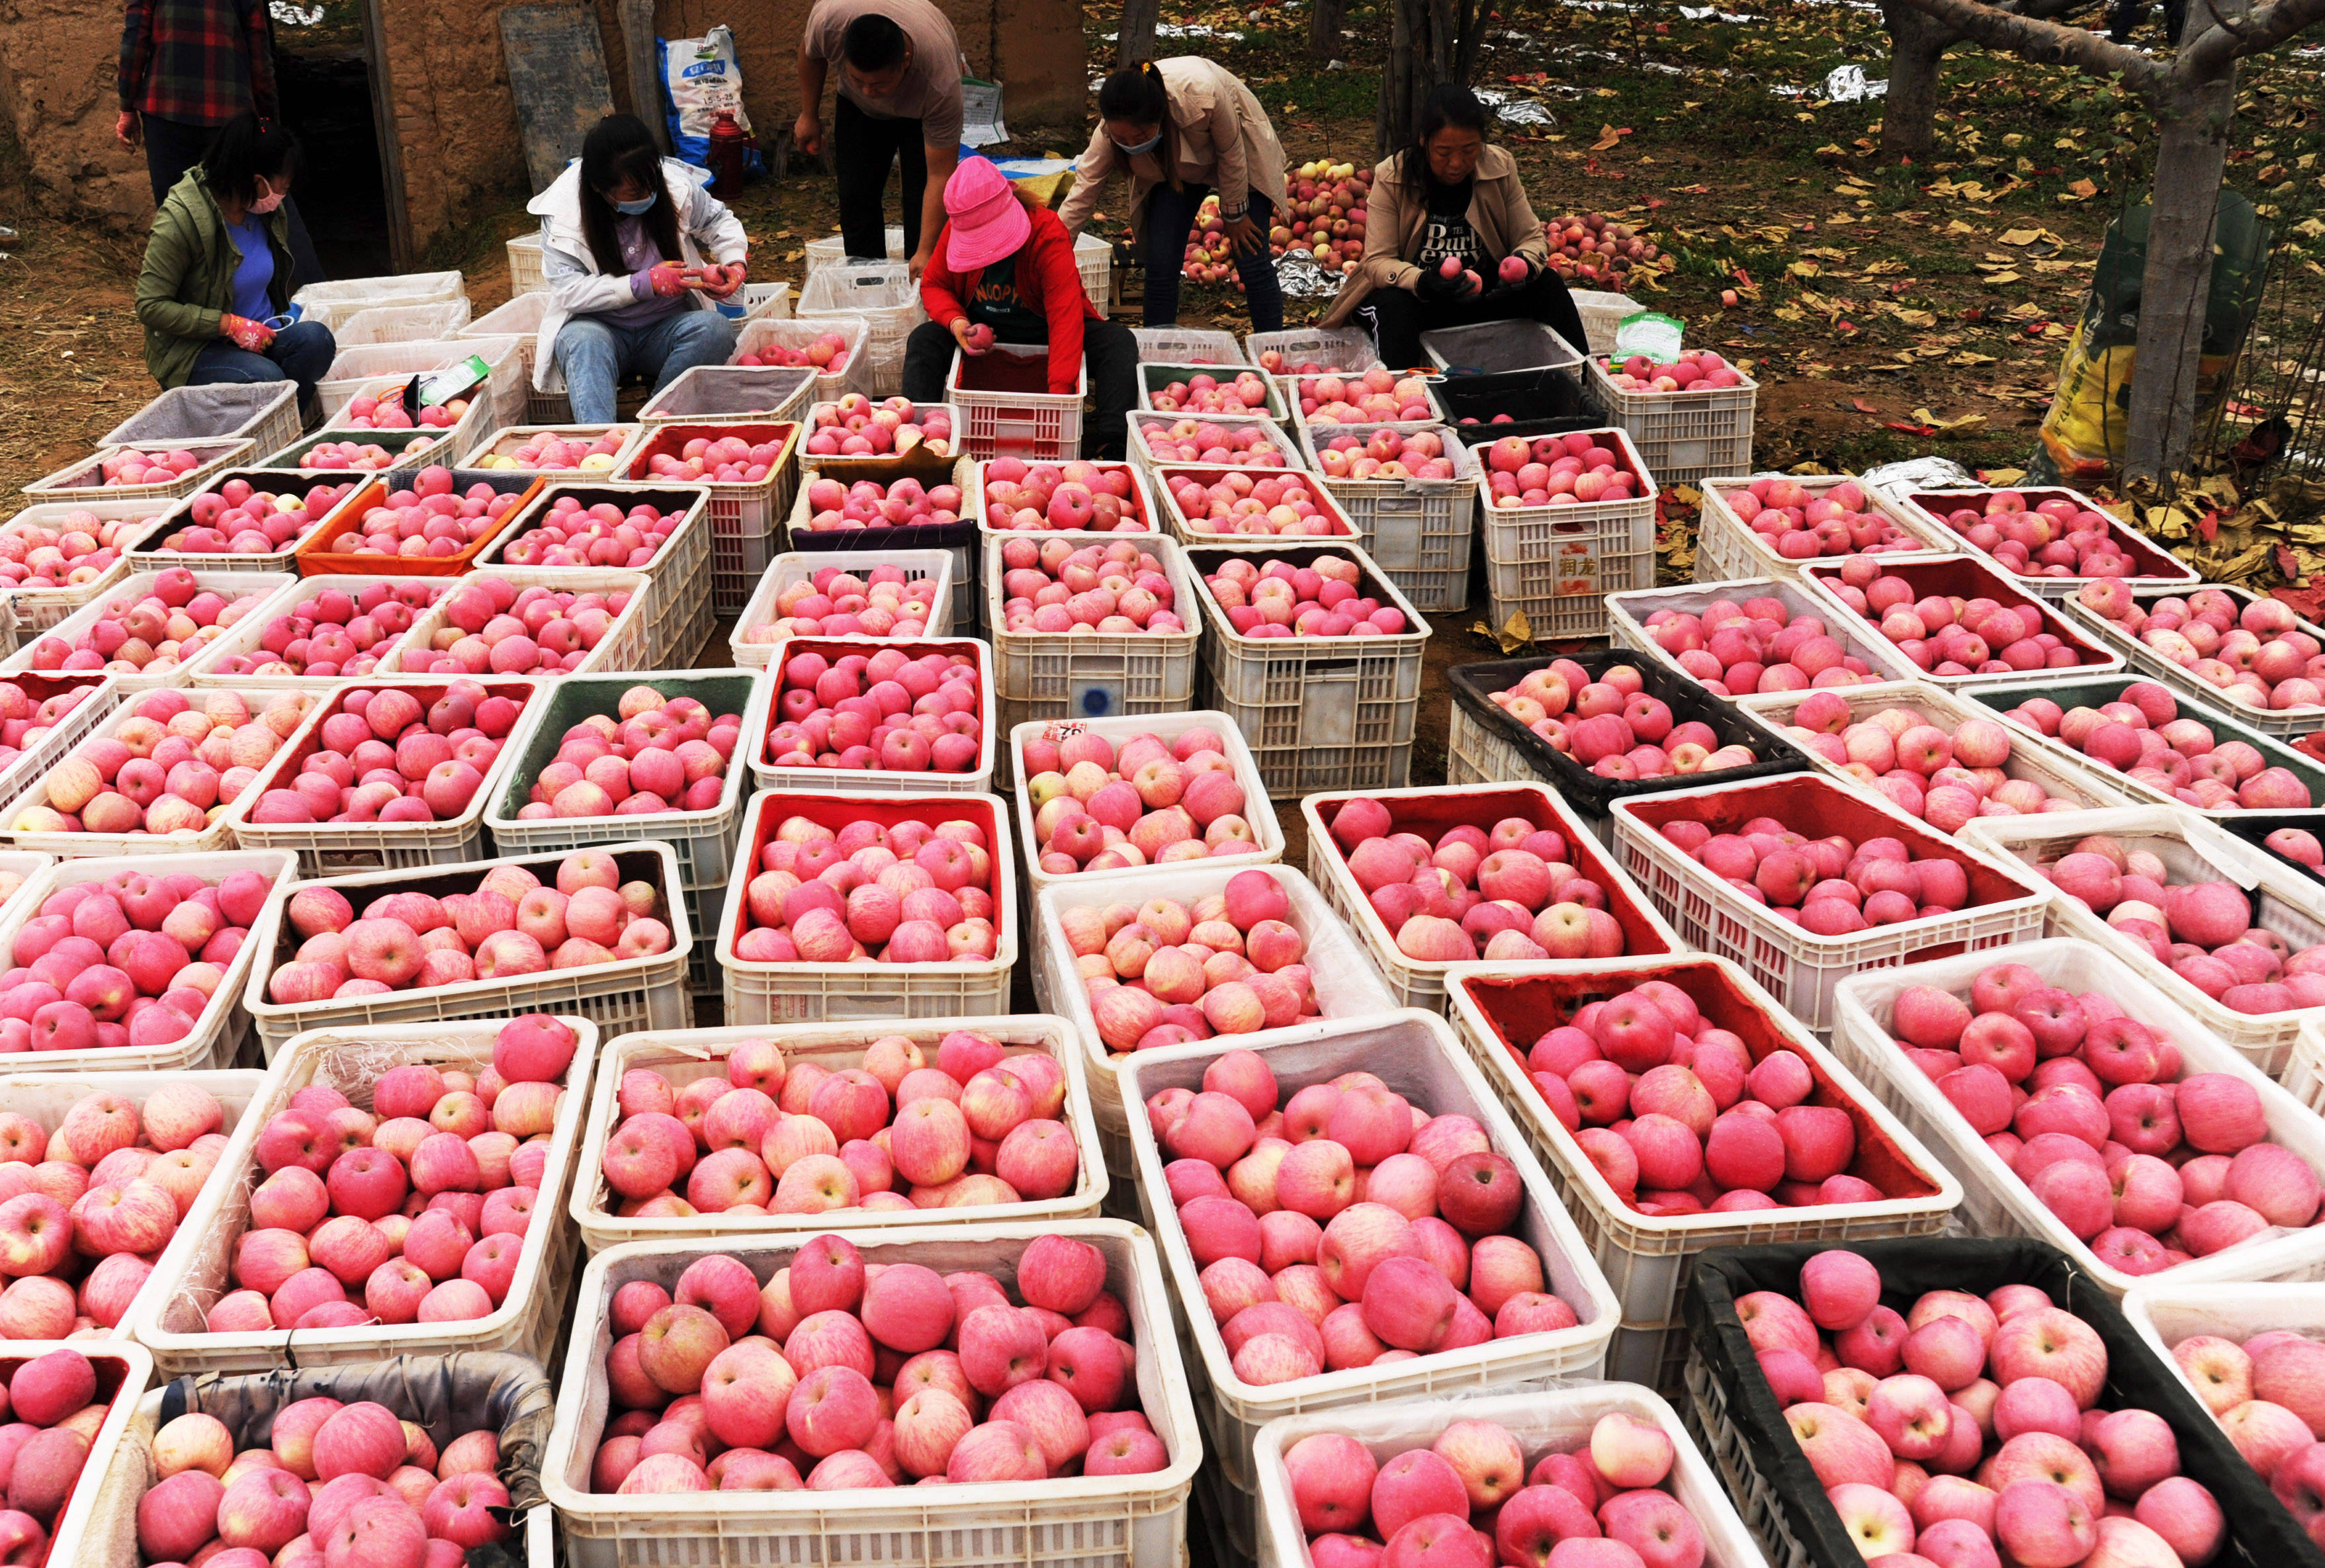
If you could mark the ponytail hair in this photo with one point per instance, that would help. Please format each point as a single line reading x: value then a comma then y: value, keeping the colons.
x: 244, y: 151
x: 1447, y: 104
x: 1138, y: 94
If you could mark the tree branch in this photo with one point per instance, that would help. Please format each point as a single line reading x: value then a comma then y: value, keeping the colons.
x: 2048, y: 43
x: 2257, y: 33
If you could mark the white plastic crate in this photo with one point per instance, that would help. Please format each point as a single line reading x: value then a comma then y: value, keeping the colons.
x: 2156, y: 567
x: 879, y: 781
x: 505, y: 383
x: 640, y: 993
x: 245, y: 636
x: 404, y: 449
x: 677, y: 580
x: 809, y: 462
x: 1432, y: 810
x: 1415, y: 1055
x: 221, y: 1033
x: 2071, y: 778
x: 801, y: 539
x: 1549, y: 1421
x: 267, y: 412
x: 760, y: 331
x: 335, y: 849
x: 1726, y: 548
x: 1142, y: 452
x: 269, y: 586
x: 1436, y: 415
x: 520, y: 318
x: 1966, y: 576
x: 1268, y: 836
x: 1995, y: 1201
x: 2166, y: 1312
x: 18, y: 773
x: 2285, y: 724
x: 84, y: 1528
x: 2305, y: 1076
x: 887, y: 297
x: 1798, y: 967
x: 34, y: 610
x: 351, y: 1060
x: 1137, y: 1521
x: 1187, y: 530
x: 1088, y: 673
x: 2192, y: 849
x: 504, y: 442
x: 1155, y: 375
x: 622, y: 647
x: 801, y: 566
x: 1036, y: 425
x: 402, y: 323
x: 1601, y: 314
x: 758, y: 992
x: 1337, y: 349
x: 831, y: 250
x: 1094, y: 260
x: 1347, y: 984
x: 1421, y: 532
x: 1499, y: 1015
x: 1683, y: 436
x: 1557, y: 565
x: 1627, y: 615
x: 743, y: 515
x: 1188, y: 346
x: 527, y: 274
x: 733, y: 394
x: 771, y: 300
x: 83, y: 478
x: 333, y: 301
x: 684, y: 1056
x: 1319, y: 713
x: 1474, y: 754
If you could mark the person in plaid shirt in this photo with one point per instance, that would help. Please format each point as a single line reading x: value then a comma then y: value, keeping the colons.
x: 187, y: 67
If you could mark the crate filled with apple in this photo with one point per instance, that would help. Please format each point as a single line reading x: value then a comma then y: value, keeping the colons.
x: 1115, y: 794
x: 69, y: 1406
x: 2054, y: 541
x: 2267, y: 662
x: 1763, y: 635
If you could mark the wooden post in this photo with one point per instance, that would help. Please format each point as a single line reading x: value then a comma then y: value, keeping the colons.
x: 641, y: 51
x: 391, y: 137
x: 1134, y: 40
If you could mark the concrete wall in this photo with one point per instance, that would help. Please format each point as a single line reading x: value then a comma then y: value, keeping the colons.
x: 455, y: 120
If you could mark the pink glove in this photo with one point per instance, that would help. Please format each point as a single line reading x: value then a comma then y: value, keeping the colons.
x: 245, y: 333
x: 668, y: 279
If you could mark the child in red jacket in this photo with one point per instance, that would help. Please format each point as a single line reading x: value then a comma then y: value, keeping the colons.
x: 1004, y: 272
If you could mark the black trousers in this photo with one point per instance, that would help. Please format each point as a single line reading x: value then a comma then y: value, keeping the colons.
x: 864, y: 148
x: 1399, y: 315
x: 1109, y: 358
x: 174, y: 146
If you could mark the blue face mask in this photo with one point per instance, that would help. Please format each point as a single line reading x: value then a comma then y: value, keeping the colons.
x: 1147, y: 145
x: 634, y: 209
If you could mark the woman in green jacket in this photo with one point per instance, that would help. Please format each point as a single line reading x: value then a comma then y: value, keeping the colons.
x: 217, y: 270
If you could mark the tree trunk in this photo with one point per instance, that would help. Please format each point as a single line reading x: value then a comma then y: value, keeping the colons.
x: 1431, y: 42
x: 1917, y: 52
x: 1134, y: 41
x: 2176, y: 286
x: 1324, y: 20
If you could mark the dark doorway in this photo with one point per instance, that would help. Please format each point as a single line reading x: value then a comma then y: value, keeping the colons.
x: 325, y: 84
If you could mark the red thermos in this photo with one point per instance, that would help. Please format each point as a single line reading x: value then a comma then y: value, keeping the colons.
x: 727, y: 146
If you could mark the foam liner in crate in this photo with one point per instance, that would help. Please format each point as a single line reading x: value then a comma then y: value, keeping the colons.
x: 1433, y: 811
x: 1346, y: 983
x: 1319, y: 713
x: 215, y: 833
x: 814, y: 419
x: 2152, y: 564
x: 1188, y: 426
x: 1341, y: 349
x: 1189, y: 346
x: 1601, y: 314
x: 84, y: 477
x: 265, y: 412
x: 448, y: 1396
x: 350, y: 1059
x: 686, y: 1056
x: 639, y: 993
x: 678, y: 577
x: 1557, y: 565
x: 1421, y: 532
x: 885, y: 296
x: 1496, y: 734
x: 339, y: 298
x: 2192, y: 849
x: 1732, y: 1411
x: 2285, y: 723
x: 148, y: 550
x: 624, y: 645
x: 314, y: 556
x: 1995, y: 1201
x: 1006, y: 407
x: 246, y: 639
x: 802, y: 566
x: 504, y: 441
x: 1499, y: 1015
x: 1965, y: 577
x: 41, y: 752
x: 1265, y: 848
x: 755, y: 744
x: 1338, y: 521
x: 1683, y: 436
x: 734, y: 394
x: 1800, y: 968
x: 2069, y: 776
x: 764, y: 331
x: 762, y: 992
x: 1558, y: 1421
x: 327, y: 849
x: 221, y: 1030
x: 1414, y: 1053
x: 1136, y: 1521
x: 744, y: 517
x: 124, y: 1372
x: 1089, y: 674
x: 1497, y: 347
x: 1627, y: 615
x: 34, y: 610
x: 2075, y: 689
x: 1727, y: 548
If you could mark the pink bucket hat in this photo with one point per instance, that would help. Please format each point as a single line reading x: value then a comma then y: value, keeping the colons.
x: 987, y: 220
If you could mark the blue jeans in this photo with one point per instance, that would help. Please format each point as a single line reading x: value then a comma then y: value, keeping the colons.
x: 594, y: 355
x: 301, y: 352
x: 1169, y: 219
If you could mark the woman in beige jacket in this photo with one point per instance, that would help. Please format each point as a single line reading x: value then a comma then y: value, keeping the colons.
x: 1451, y: 195
x: 1178, y: 129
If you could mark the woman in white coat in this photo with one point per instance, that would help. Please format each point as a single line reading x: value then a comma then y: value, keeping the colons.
x: 634, y: 252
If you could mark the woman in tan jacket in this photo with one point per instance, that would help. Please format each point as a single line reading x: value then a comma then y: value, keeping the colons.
x: 1451, y: 195
x: 1178, y: 129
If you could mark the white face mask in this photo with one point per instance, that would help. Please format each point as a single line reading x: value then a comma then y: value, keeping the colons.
x: 268, y: 202
x: 1147, y: 145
